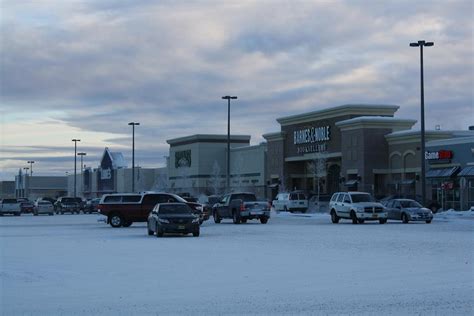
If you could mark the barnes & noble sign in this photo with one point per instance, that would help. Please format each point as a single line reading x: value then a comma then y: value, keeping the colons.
x: 311, y: 139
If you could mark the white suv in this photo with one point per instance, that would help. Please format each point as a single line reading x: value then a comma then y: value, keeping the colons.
x: 357, y: 206
x: 290, y: 202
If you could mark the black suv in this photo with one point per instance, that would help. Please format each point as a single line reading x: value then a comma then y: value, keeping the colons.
x: 68, y: 205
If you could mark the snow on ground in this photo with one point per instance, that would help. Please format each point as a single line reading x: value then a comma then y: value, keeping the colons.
x: 296, y: 264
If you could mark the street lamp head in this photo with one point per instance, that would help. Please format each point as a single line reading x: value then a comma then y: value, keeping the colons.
x: 421, y: 43
x: 414, y: 44
x: 228, y: 97
x: 76, y: 140
x: 429, y: 43
x: 133, y: 123
x: 82, y: 154
x: 31, y: 161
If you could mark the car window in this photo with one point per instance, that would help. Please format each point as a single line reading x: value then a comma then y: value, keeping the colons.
x: 153, y: 199
x: 169, y: 209
x: 301, y: 196
x: 9, y: 201
x: 389, y: 204
x: 293, y: 196
x: 347, y: 198
x: 410, y: 204
x: 340, y: 197
x: 44, y: 203
x: 360, y: 197
x: 244, y: 197
x: 334, y: 197
x: 131, y: 198
x: 113, y: 199
x: 224, y: 199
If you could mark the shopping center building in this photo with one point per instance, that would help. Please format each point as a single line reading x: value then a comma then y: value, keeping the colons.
x: 349, y: 147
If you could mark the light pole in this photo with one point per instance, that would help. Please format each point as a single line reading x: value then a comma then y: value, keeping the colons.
x: 133, y: 124
x: 228, y: 98
x: 75, y: 163
x: 82, y: 175
x: 26, y: 187
x: 423, y: 168
x: 31, y: 162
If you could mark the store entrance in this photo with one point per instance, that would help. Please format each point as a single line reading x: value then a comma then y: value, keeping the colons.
x: 333, y: 175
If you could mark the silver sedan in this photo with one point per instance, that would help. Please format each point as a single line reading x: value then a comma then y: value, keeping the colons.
x: 408, y: 210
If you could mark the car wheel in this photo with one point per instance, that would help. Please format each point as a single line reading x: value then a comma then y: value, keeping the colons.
x: 243, y: 220
x: 235, y: 217
x: 304, y: 211
x: 354, y: 217
x: 150, y: 232
x: 428, y: 221
x: 361, y: 221
x: 263, y: 220
x: 159, y: 233
x: 334, y: 217
x: 116, y: 220
x: 285, y: 208
x: 382, y: 221
x: 404, y: 218
x: 127, y: 223
x: 196, y: 233
x: 51, y: 214
x: 217, y: 218
x: 35, y: 213
x: 17, y: 214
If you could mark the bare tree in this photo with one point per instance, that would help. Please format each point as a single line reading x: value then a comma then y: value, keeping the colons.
x: 216, y: 178
x: 318, y: 168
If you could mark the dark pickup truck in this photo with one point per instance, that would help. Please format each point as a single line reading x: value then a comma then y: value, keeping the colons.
x: 121, y: 210
x: 241, y: 207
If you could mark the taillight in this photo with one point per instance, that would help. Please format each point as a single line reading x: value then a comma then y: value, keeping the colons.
x: 242, y: 207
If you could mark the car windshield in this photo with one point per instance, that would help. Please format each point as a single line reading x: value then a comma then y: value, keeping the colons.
x: 69, y: 200
x: 244, y: 197
x: 406, y: 204
x: 357, y: 198
x: 44, y: 203
x: 172, y: 209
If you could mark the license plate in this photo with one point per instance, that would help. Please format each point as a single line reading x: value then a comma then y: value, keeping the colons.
x: 181, y: 227
x: 374, y: 215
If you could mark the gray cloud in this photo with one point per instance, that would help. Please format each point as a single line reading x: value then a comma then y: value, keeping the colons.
x: 166, y: 64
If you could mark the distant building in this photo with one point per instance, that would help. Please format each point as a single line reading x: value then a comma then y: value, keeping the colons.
x: 7, y: 189
x: 33, y: 187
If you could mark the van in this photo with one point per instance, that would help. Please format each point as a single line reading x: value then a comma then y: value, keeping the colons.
x: 291, y: 202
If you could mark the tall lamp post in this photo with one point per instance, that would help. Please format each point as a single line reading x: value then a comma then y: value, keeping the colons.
x: 133, y: 124
x: 228, y: 98
x: 421, y: 44
x: 82, y: 175
x: 75, y: 163
x: 25, y: 185
x: 31, y: 162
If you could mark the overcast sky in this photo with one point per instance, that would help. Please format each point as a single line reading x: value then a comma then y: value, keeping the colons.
x: 84, y: 69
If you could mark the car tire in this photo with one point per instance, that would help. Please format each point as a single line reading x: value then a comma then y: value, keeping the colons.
x: 428, y: 221
x: 116, y: 220
x: 405, y: 218
x: 17, y: 214
x: 382, y: 221
x: 51, y: 214
x: 361, y: 221
x: 127, y: 223
x: 263, y: 220
x: 159, y: 233
x: 196, y: 233
x: 150, y: 232
x: 35, y: 214
x: 243, y: 220
x: 217, y: 218
x: 334, y: 218
x: 235, y: 217
x: 304, y: 211
x: 354, y: 218
x: 285, y: 208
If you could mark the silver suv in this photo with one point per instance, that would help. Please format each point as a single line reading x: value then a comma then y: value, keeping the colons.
x: 357, y: 206
x: 290, y: 202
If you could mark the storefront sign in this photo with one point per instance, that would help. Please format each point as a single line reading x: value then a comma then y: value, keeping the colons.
x: 438, y: 156
x: 182, y: 159
x: 106, y: 174
x: 311, y: 138
x: 311, y: 135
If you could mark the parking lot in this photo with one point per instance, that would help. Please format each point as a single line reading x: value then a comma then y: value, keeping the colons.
x: 295, y: 264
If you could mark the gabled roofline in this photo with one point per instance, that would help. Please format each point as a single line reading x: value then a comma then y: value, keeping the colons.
x: 346, y: 109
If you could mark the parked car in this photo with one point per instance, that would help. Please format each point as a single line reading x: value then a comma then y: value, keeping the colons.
x: 10, y: 206
x: 43, y: 207
x: 291, y: 202
x: 91, y: 206
x: 357, y: 206
x: 406, y: 210
x: 27, y: 206
x: 241, y: 207
x: 68, y: 205
x: 121, y: 210
x: 172, y: 218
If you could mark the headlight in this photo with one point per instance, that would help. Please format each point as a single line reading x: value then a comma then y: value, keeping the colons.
x: 360, y: 208
x: 196, y: 220
x: 199, y: 208
x: 164, y: 221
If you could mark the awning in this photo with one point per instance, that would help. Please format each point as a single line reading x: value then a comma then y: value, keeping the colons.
x: 467, y: 172
x: 351, y: 183
x: 443, y: 172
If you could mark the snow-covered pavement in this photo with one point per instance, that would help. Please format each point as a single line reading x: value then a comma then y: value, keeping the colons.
x: 73, y: 265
